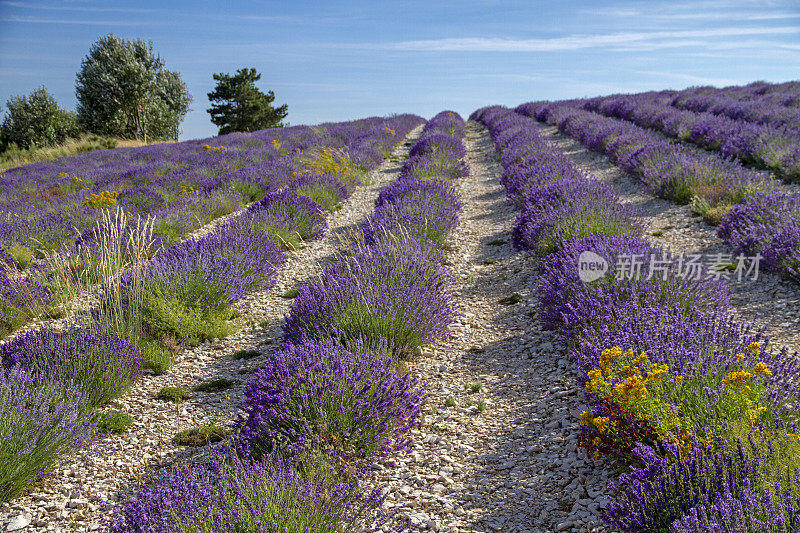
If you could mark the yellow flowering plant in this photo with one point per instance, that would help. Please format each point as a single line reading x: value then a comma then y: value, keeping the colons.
x: 220, y: 149
x: 105, y: 199
x: 329, y: 161
x: 676, y: 409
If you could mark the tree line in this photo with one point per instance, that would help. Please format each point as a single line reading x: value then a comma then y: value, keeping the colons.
x: 124, y: 90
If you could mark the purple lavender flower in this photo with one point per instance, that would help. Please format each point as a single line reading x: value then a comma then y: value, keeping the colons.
x: 572, y: 306
x: 424, y: 210
x: 768, y: 224
x: 286, y: 215
x: 39, y: 420
x: 396, y: 291
x: 348, y: 404
x: 102, y: 363
x: 558, y: 213
x: 229, y: 493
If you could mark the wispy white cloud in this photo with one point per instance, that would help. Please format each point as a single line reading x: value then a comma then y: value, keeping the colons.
x: 73, y: 7
x: 84, y: 22
x: 684, y: 13
x: 665, y: 75
x: 657, y: 39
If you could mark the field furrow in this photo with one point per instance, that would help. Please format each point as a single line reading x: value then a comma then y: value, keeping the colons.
x: 498, y: 450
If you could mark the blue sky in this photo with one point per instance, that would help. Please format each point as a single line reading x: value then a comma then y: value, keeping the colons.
x: 346, y: 59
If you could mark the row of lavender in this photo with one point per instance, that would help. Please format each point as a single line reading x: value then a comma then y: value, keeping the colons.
x: 763, y: 146
x: 52, y: 381
x: 333, y: 399
x: 754, y: 216
x: 182, y: 185
x: 696, y: 403
x: 786, y: 93
x: 176, y: 187
x: 760, y: 103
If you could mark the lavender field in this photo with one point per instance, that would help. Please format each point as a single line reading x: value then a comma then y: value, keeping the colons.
x: 577, y: 315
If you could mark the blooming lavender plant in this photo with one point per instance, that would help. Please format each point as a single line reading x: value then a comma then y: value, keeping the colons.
x: 230, y: 493
x: 424, y: 210
x: 39, y: 420
x: 102, y: 363
x: 188, y: 289
x: 289, y: 217
x: 395, y: 291
x: 556, y: 214
x: 767, y: 224
x: 571, y: 306
x: 346, y: 403
x: 679, y: 495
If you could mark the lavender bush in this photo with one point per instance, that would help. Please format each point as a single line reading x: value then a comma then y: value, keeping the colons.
x: 423, y: 210
x: 188, y: 289
x: 705, y: 491
x: 39, y: 420
x: 103, y: 364
x: 767, y: 224
x: 345, y: 403
x: 394, y: 291
x: 287, y: 216
x: 230, y: 493
x: 558, y: 213
x: 570, y: 305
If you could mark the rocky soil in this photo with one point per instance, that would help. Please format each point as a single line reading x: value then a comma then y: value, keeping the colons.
x: 498, y: 450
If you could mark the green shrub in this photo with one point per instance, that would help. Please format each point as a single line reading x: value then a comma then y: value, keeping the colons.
x: 172, y: 394
x: 474, y: 387
x: 327, y: 197
x: 215, y: 385
x: 113, y: 422
x: 164, y: 316
x: 155, y: 356
x: 22, y: 255
x: 291, y: 293
x: 36, y: 120
x: 200, y: 435
x: 512, y: 299
x: 246, y: 354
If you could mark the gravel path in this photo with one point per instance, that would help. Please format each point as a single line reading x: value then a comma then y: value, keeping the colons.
x: 515, y: 465
x: 770, y: 301
x: 70, y: 499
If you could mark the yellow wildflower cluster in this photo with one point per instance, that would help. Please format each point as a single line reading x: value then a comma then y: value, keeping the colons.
x: 737, y: 379
x: 327, y: 161
x: 103, y: 199
x: 276, y: 144
x: 220, y: 149
x: 633, y: 387
x: 389, y: 130
x: 634, y: 383
x: 186, y: 189
x: 762, y: 369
